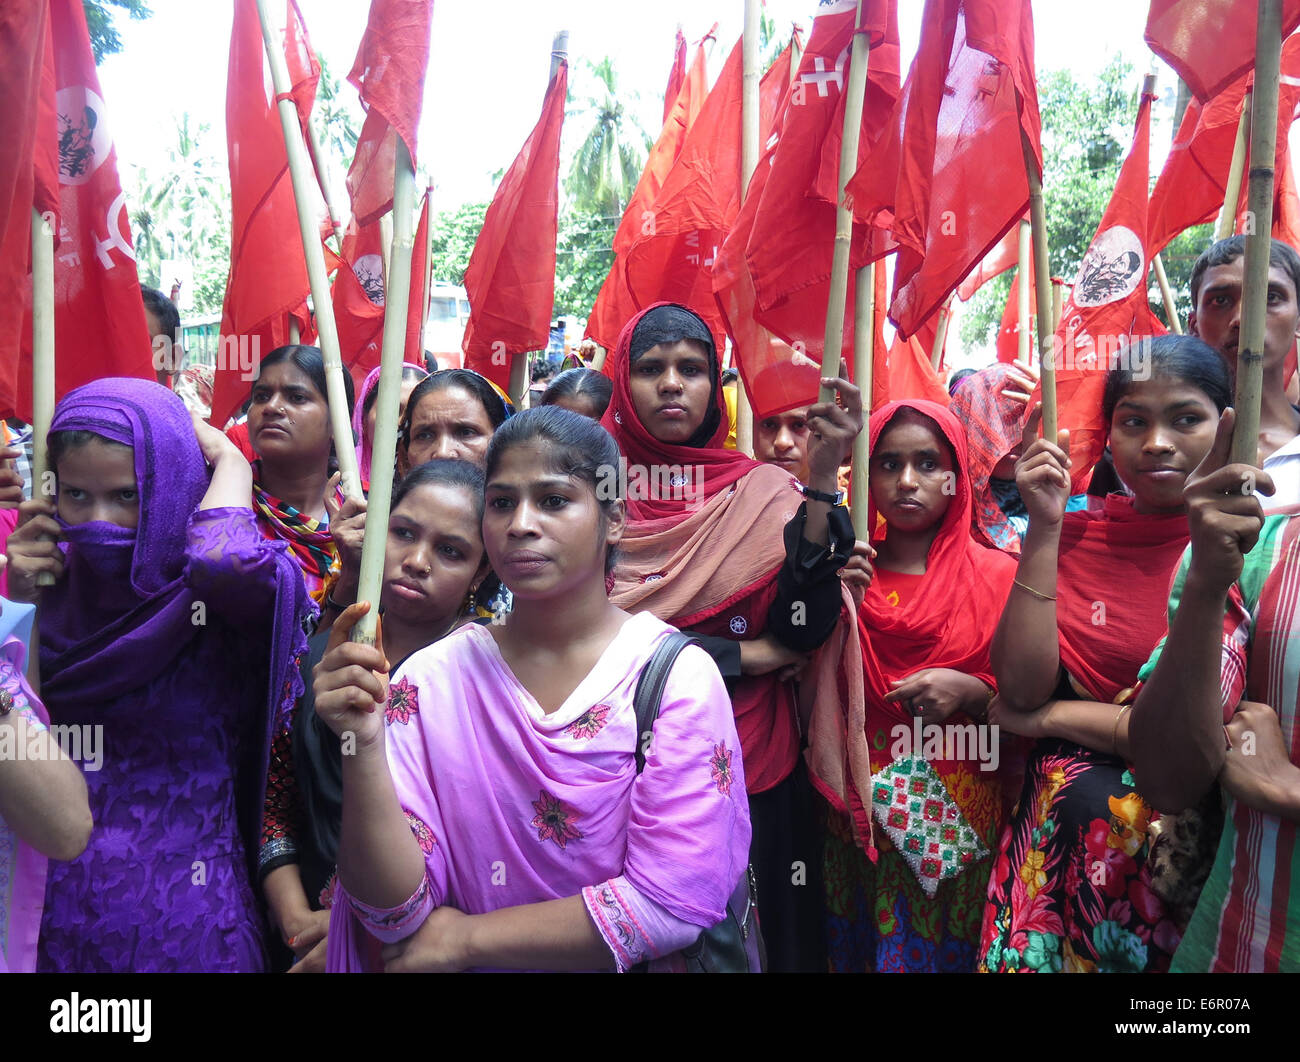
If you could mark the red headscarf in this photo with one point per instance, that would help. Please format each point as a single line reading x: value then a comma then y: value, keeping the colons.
x: 947, y: 623
x: 720, y: 467
x: 1113, y: 580
x: 709, y: 562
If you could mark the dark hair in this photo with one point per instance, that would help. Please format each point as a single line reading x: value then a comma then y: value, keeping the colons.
x: 1185, y: 358
x: 667, y: 325
x: 578, y: 447
x: 465, y: 379
x: 409, y: 372
x: 442, y: 472
x: 1223, y: 252
x: 158, y: 304
x: 312, y: 364
x: 62, y: 443
x: 587, y: 384
x: 957, y: 378
x: 730, y: 376
x: 908, y: 415
x: 541, y: 369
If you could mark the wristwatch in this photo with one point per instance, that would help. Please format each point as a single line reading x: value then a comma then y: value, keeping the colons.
x: 822, y: 496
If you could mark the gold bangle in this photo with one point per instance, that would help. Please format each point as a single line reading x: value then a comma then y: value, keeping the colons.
x: 1031, y: 590
x: 1114, y: 733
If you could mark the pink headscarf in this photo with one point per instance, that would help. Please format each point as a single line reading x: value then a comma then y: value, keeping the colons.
x: 364, y: 445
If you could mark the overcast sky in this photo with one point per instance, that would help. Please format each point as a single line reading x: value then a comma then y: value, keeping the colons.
x: 490, y: 61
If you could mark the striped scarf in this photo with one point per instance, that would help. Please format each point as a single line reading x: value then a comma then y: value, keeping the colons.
x: 309, y: 539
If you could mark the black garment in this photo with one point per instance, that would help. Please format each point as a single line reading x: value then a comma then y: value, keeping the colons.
x: 786, y: 854
x: 810, y: 577
x: 318, y: 771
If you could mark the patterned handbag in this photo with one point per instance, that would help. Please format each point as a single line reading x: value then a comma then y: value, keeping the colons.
x: 734, y: 945
x: 912, y: 805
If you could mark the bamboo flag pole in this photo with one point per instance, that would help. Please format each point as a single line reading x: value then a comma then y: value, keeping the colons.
x: 855, y: 90
x: 941, y: 332
x: 749, y: 130
x: 1042, y: 291
x: 42, y: 362
x: 1058, y: 302
x: 1023, y: 342
x: 864, y: 353
x: 1232, y: 190
x: 1167, y: 296
x: 519, y: 366
x: 300, y: 171
x: 397, y: 295
x: 1259, y: 227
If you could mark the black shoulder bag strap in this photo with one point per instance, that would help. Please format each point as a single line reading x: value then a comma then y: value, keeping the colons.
x: 650, y: 689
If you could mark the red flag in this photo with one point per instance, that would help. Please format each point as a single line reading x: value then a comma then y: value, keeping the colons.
x: 1192, y: 185
x: 911, y: 375
x: 946, y: 177
x: 1210, y: 43
x: 1286, y: 204
x: 99, y: 326
x: 389, y: 72
x: 268, y: 270
x: 414, y: 351
x: 23, y: 39
x: 677, y: 75
x: 996, y: 262
x: 1108, y: 305
x: 301, y: 61
x: 45, y: 162
x: 772, y: 277
x: 1008, y: 341
x: 510, y: 279
x: 358, y: 296
x: 614, y: 305
x: 671, y: 259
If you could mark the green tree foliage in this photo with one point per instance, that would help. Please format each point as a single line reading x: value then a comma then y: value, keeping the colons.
x: 613, y: 145
x: 99, y: 20
x: 337, y: 117
x: 454, y: 233
x: 584, y: 252
x: 583, y: 256
x: 182, y: 210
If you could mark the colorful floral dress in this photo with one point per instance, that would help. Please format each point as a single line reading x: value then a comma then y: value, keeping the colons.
x: 879, y: 918
x: 1071, y: 888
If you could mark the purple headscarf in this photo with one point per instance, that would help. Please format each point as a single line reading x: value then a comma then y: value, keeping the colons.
x: 121, y: 613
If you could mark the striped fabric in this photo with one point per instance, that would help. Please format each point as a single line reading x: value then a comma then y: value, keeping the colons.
x: 1248, y: 916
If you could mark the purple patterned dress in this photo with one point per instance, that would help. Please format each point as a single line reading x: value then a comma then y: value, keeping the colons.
x: 164, y: 882
x: 175, y: 644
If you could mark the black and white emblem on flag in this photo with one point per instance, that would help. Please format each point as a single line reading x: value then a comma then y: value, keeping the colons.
x: 1112, y: 268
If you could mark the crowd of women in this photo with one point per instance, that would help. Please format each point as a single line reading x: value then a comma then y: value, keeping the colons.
x: 974, y: 742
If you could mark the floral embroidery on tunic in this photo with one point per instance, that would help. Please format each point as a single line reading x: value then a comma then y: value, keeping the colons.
x: 423, y: 835
x: 589, y: 723
x: 403, y: 702
x: 555, y: 820
x: 720, y: 766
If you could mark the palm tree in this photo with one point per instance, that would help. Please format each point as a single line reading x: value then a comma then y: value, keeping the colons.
x: 183, y: 209
x: 337, y: 116
x: 614, y: 144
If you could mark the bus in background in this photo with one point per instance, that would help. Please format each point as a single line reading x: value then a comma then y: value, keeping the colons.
x: 444, y: 329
